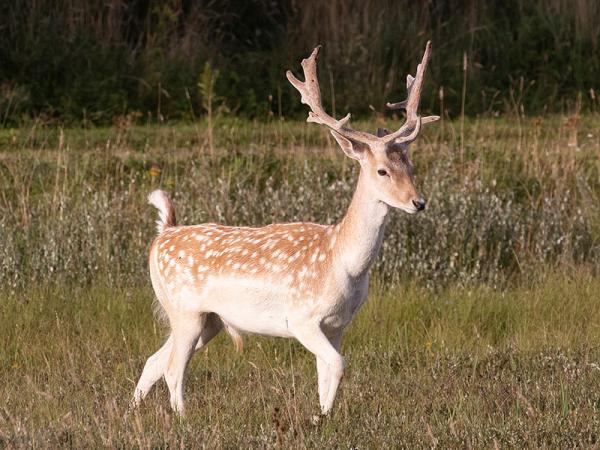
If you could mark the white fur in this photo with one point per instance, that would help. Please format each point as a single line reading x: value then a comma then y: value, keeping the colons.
x: 160, y: 201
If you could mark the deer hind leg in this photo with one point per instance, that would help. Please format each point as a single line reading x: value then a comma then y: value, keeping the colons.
x: 317, y: 342
x: 211, y: 327
x: 157, y: 364
x: 153, y: 371
x: 186, y: 331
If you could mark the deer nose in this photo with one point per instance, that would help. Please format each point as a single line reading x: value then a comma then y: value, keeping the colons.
x: 419, y: 204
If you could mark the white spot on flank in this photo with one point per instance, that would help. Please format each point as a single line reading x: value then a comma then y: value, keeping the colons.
x: 322, y: 257
x: 313, y: 258
x: 332, y: 242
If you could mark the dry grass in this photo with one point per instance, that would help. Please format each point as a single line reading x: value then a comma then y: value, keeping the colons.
x: 481, y: 330
x: 75, y: 201
x: 457, y: 368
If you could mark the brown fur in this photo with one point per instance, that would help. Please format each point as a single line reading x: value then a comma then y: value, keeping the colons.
x: 300, y: 251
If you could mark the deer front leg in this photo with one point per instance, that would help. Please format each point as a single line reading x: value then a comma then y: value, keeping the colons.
x: 323, y: 371
x: 332, y: 363
x: 323, y: 376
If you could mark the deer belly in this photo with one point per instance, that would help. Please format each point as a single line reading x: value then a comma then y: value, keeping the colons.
x: 251, y: 306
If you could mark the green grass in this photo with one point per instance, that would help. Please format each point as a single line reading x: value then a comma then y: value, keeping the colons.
x: 515, y: 197
x: 463, y: 366
x: 481, y: 330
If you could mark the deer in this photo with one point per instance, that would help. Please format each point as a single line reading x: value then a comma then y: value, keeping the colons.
x: 295, y: 280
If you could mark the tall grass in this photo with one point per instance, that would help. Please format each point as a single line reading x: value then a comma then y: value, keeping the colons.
x: 74, y: 203
x: 481, y: 329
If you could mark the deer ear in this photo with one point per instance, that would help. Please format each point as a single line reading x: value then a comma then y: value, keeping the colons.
x: 351, y: 149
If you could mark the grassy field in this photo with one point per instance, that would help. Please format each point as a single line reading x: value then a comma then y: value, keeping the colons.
x: 460, y: 367
x: 481, y: 330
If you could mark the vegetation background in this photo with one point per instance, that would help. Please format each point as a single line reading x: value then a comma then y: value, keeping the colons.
x: 483, y: 323
x: 81, y: 60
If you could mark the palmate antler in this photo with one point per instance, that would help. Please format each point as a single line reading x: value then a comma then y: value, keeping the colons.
x: 311, y: 96
x: 408, y: 132
x: 411, y: 104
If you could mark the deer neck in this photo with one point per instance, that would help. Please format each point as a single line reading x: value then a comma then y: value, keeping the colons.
x: 361, y: 231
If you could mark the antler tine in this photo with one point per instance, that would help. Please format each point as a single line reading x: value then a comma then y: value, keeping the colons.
x: 311, y: 96
x: 411, y: 104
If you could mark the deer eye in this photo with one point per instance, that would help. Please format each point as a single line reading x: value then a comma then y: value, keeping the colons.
x: 382, y: 172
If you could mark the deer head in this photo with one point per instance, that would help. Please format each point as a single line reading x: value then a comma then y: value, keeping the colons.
x: 385, y: 164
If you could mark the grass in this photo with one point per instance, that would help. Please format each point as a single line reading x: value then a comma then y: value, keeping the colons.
x: 481, y: 329
x: 461, y: 367
x: 75, y: 199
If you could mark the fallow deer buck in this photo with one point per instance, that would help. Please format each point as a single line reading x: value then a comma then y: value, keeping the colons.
x: 300, y: 280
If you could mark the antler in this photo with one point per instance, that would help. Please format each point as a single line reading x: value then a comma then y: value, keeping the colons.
x: 411, y: 104
x: 311, y: 96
